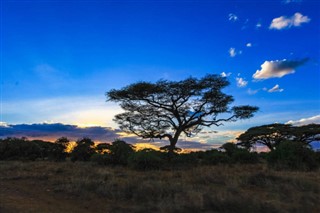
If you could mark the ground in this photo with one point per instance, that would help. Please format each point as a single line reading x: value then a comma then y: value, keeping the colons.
x: 32, y: 187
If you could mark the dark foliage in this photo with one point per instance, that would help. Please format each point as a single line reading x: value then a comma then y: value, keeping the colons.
x: 119, y: 152
x: 23, y: 149
x: 273, y: 134
x: 292, y: 155
x: 146, y: 159
x: 83, y: 150
x: 167, y: 109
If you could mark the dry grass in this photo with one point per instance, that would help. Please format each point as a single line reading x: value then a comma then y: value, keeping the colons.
x: 85, y: 187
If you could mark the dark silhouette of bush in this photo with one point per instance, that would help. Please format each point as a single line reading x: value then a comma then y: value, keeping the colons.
x: 119, y: 152
x: 292, y: 155
x: 63, y: 141
x: 101, y: 158
x: 240, y: 155
x: 214, y: 157
x: 245, y: 157
x: 57, y: 152
x: 19, y: 149
x: 83, y: 150
x: 184, y: 159
x: 146, y: 159
x: 229, y: 148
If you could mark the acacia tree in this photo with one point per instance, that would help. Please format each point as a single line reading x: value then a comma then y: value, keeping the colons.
x: 167, y: 109
x: 272, y: 135
x: 269, y: 135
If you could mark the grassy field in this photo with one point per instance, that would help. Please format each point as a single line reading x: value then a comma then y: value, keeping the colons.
x: 85, y: 187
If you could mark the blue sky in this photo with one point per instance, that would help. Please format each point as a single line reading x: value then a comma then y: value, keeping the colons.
x: 58, y: 58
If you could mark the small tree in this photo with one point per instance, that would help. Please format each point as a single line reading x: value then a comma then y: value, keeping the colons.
x: 119, y: 152
x: 63, y: 141
x: 83, y: 150
x: 167, y: 109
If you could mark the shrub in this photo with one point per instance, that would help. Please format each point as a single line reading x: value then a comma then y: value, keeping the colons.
x: 245, y: 157
x: 214, y: 157
x: 19, y: 149
x: 83, y: 150
x: 56, y: 152
x: 101, y: 159
x: 292, y: 155
x: 120, y: 152
x: 146, y: 159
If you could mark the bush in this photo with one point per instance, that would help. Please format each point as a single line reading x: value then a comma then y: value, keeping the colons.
x: 214, y: 157
x: 120, y: 152
x: 185, y: 159
x: 56, y: 152
x: 146, y: 159
x: 83, y: 150
x: 101, y: 159
x: 292, y: 155
x: 245, y: 157
x: 19, y: 149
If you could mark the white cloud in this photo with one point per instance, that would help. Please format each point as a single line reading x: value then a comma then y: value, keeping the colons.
x: 233, y: 52
x: 223, y: 74
x: 276, y: 88
x: 284, y: 22
x: 249, y: 45
x: 241, y: 82
x: 252, y: 92
x: 233, y: 17
x: 258, y: 25
x: 3, y: 124
x: 304, y: 121
x: 277, y: 68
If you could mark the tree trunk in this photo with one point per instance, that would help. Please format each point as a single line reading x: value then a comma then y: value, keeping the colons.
x: 172, y: 147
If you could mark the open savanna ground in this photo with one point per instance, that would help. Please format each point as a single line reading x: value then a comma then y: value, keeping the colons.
x: 87, y: 187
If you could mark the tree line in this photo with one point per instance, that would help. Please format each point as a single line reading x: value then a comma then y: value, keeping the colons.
x: 169, y: 109
x: 289, y: 152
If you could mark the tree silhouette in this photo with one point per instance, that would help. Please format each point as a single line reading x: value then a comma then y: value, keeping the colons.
x: 307, y: 133
x: 272, y: 135
x: 166, y: 109
x: 83, y: 150
x: 269, y: 135
x: 63, y: 141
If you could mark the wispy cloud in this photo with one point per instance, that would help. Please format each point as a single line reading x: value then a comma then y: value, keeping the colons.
x: 233, y: 17
x: 241, y: 82
x: 291, y: 1
x: 304, y: 121
x: 276, y: 88
x: 249, y: 45
x: 258, y: 25
x: 233, y: 52
x: 278, y: 68
x: 284, y: 22
x: 252, y: 92
x: 223, y: 74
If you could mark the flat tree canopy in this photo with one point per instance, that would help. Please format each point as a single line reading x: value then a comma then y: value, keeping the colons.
x: 166, y: 109
x: 272, y: 135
